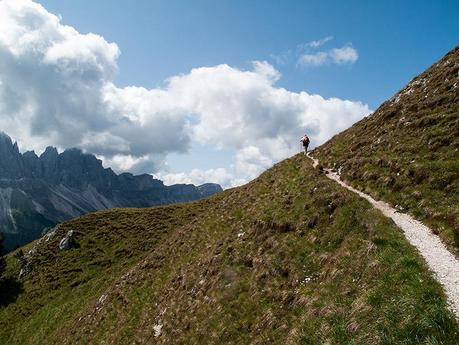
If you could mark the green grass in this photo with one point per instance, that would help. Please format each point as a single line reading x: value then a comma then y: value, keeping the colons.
x: 407, y: 153
x: 291, y: 258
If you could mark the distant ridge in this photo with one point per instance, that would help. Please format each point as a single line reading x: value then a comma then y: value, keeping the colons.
x: 37, y: 192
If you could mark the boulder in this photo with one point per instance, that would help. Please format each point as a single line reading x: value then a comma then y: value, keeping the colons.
x: 67, y: 242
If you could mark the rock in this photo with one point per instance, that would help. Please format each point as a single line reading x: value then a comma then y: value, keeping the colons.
x: 25, y: 263
x: 158, y: 328
x: 25, y: 270
x: 49, y: 236
x: 67, y: 242
x: 399, y: 208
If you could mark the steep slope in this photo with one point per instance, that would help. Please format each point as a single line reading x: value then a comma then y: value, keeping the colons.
x: 36, y: 193
x: 290, y: 258
x: 442, y: 263
x: 407, y: 151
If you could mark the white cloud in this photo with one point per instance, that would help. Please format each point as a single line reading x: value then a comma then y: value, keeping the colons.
x: 251, y: 162
x: 57, y: 87
x: 318, y: 43
x: 338, y: 56
x: 316, y: 59
x: 198, y: 177
x: 123, y: 162
x: 284, y: 57
x: 344, y: 55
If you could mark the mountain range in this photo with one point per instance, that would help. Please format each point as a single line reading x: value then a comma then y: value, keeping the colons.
x: 38, y: 192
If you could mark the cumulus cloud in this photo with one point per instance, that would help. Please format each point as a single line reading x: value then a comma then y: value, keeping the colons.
x: 251, y: 162
x: 198, y: 177
x: 339, y: 56
x: 57, y: 87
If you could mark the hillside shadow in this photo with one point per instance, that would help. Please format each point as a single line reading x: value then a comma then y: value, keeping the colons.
x: 10, y: 289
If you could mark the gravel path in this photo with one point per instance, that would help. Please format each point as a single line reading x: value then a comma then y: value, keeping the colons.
x: 443, y: 264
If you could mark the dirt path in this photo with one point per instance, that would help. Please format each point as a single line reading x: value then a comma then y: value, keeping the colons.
x: 442, y: 263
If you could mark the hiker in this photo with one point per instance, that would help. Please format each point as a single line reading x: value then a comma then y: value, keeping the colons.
x: 305, y: 141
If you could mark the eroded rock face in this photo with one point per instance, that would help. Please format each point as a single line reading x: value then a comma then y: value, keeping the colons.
x: 26, y: 259
x: 38, y: 192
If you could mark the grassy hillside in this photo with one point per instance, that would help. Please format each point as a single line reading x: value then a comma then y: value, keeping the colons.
x: 291, y: 258
x: 407, y: 152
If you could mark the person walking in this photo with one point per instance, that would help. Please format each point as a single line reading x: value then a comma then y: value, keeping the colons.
x: 305, y: 141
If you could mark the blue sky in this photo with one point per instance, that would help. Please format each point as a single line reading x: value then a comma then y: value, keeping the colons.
x: 393, y: 41
x: 396, y: 40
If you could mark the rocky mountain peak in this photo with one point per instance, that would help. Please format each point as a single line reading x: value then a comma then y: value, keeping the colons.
x: 4, y: 136
x: 49, y: 153
x: 6, y: 143
x: 30, y: 154
x: 48, y: 189
x: 10, y: 158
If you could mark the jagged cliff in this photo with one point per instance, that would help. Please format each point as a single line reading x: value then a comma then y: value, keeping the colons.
x: 37, y: 192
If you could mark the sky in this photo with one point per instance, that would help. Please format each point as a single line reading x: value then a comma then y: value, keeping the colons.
x: 206, y: 91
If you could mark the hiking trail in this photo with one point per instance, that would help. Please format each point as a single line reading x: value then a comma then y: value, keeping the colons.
x: 440, y: 260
